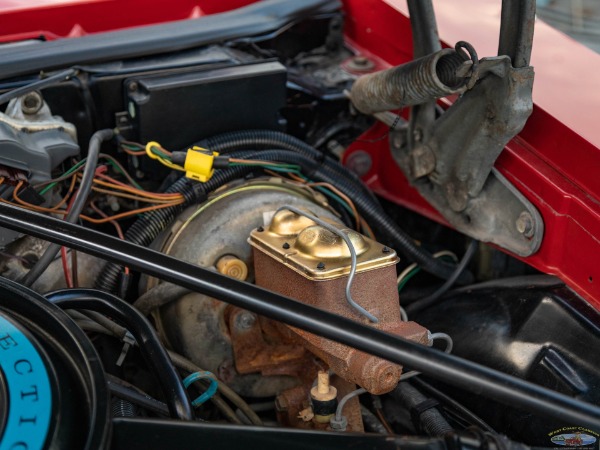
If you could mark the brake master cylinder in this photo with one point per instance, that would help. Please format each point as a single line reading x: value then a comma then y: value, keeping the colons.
x: 305, y: 261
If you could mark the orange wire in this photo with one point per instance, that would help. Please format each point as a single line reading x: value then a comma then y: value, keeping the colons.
x: 116, y: 163
x: 128, y: 213
x: 29, y: 205
x: 131, y: 190
x: 87, y: 218
x: 363, y: 223
x: 68, y: 194
x: 34, y: 208
x: 132, y: 197
x: 133, y: 152
x: 343, y: 196
x: 293, y: 176
x: 84, y: 217
x: 112, y: 180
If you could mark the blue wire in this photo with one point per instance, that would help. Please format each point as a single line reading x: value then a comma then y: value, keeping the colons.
x: 212, y: 388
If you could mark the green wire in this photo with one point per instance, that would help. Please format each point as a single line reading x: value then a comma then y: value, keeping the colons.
x: 68, y: 172
x: 296, y: 169
x: 334, y: 196
x: 410, y: 274
x: 115, y: 166
x: 416, y: 270
x: 133, y: 147
x: 111, y: 161
x: 156, y: 151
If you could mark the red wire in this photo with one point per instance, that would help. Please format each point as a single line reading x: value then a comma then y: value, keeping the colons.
x: 65, y: 266
x: 63, y: 251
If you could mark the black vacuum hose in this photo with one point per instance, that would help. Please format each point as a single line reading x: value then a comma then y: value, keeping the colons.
x: 427, y: 417
x: 371, y: 211
x: 151, y: 224
x: 270, y: 139
x: 148, y: 341
x: 313, y: 164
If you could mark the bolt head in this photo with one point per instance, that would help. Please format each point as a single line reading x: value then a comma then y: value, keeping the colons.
x: 321, y: 266
x: 525, y: 224
x: 31, y: 103
x: 361, y: 64
x: 359, y: 162
x: 360, y: 61
x: 286, y: 245
x: 245, y: 320
x: 386, y: 250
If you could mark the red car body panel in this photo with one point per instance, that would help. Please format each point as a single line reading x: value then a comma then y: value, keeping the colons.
x: 554, y: 162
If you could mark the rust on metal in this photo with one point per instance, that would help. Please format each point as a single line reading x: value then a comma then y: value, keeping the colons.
x: 292, y: 407
x: 374, y: 288
x: 265, y: 349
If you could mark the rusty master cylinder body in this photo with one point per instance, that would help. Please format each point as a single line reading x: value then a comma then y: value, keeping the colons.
x: 303, y: 260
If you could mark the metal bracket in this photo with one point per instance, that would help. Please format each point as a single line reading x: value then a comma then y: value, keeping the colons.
x: 452, y: 165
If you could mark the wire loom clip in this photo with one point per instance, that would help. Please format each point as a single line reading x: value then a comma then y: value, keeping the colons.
x: 212, y: 388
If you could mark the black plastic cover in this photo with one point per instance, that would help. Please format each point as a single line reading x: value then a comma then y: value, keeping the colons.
x: 550, y: 337
x: 179, y: 109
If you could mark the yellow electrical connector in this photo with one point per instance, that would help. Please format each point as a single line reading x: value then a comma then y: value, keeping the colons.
x: 199, y: 164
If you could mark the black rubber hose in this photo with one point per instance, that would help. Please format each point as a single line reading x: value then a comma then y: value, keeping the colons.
x: 399, y: 239
x: 150, y: 346
x: 80, y: 199
x: 151, y: 224
x: 372, y: 423
x: 449, y: 369
x: 147, y: 228
x: 270, y: 139
x: 144, y: 231
x: 38, y: 85
x: 123, y: 390
x: 371, y: 211
x: 158, y: 296
x: 342, y: 178
x: 431, y: 299
x: 452, y: 404
x: 430, y: 420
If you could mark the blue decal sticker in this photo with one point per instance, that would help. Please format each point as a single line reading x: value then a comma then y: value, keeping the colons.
x: 29, y: 393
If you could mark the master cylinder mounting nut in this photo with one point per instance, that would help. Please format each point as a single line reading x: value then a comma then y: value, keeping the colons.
x: 324, y: 399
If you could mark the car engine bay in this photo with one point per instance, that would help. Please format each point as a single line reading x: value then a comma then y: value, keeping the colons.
x: 189, y: 252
